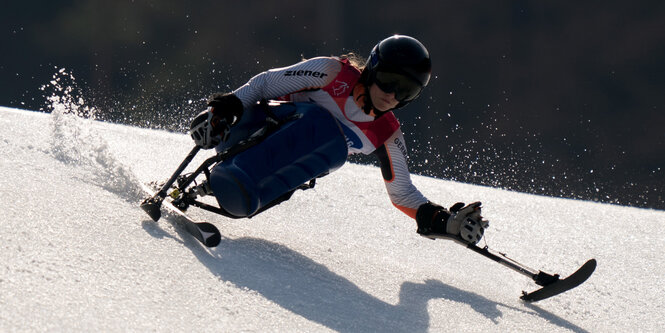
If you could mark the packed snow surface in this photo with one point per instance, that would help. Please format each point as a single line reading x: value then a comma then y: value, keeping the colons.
x: 78, y: 254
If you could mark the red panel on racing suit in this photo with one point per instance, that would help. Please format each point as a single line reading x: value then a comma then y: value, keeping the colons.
x: 378, y: 130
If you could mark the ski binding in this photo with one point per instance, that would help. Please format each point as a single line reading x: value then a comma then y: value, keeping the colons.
x: 204, y: 232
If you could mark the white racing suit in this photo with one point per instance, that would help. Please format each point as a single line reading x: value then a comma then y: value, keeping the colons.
x: 332, y: 83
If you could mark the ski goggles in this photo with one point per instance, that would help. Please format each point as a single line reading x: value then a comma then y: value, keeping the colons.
x: 405, y: 88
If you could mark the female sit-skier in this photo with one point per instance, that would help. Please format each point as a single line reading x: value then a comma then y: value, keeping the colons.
x: 340, y: 107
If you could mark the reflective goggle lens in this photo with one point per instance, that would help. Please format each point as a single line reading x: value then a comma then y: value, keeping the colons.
x: 405, y: 89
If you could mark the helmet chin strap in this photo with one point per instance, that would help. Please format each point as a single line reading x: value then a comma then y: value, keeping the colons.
x: 368, y: 106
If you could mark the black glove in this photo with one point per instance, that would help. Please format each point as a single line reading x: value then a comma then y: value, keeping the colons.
x: 208, y: 130
x: 211, y: 127
x: 431, y: 219
x: 227, y: 106
x: 463, y: 221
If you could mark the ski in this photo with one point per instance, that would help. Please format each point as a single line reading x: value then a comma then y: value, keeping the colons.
x: 551, y: 283
x: 204, y: 232
x: 560, y: 286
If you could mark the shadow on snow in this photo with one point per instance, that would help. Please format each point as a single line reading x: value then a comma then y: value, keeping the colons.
x: 314, y: 292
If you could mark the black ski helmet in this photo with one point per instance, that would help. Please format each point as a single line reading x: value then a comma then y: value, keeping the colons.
x: 399, y: 64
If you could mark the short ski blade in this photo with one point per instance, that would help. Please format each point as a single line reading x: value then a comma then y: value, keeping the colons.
x: 204, y: 232
x: 560, y: 286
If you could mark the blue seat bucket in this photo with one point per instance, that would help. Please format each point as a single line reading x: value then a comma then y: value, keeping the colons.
x: 302, y: 149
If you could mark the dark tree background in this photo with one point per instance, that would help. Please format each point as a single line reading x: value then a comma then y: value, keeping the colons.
x: 556, y: 98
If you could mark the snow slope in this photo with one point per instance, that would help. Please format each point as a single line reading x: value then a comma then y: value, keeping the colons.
x: 77, y: 254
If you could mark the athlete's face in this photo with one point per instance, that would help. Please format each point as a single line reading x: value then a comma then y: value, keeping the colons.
x: 381, y: 100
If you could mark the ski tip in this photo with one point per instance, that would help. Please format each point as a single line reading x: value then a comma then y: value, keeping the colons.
x: 213, y: 241
x: 560, y: 286
x: 152, y: 208
x: 211, y: 237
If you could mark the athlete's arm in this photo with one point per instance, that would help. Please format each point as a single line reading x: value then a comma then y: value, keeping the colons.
x: 308, y: 74
x: 392, y: 158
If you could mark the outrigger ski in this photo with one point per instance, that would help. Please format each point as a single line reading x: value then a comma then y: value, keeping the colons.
x: 559, y: 286
x: 551, y: 284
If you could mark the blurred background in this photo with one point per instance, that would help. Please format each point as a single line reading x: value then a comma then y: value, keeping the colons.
x: 557, y: 98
